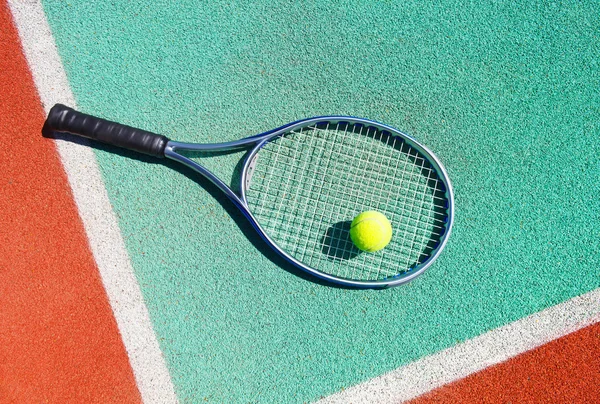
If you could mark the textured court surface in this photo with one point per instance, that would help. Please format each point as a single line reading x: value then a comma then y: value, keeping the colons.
x: 506, y: 96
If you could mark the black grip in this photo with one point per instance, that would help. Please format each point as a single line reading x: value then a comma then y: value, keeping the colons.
x: 64, y: 119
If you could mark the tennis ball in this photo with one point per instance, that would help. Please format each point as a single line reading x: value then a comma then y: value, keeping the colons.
x: 370, y: 231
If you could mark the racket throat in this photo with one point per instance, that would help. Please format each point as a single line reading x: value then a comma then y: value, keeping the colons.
x: 171, y: 153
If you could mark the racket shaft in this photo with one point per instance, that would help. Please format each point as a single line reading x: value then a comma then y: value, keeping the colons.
x: 64, y: 119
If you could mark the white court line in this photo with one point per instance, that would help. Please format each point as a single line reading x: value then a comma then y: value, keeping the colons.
x: 99, y: 220
x: 476, y: 354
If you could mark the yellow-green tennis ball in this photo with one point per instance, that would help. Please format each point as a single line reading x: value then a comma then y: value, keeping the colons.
x: 370, y: 231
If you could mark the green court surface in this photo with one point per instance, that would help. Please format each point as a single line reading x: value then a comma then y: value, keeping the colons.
x: 507, y: 95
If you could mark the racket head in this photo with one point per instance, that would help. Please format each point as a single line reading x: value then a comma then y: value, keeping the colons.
x: 303, y: 184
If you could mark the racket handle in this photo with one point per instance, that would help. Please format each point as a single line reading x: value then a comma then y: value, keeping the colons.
x: 64, y: 119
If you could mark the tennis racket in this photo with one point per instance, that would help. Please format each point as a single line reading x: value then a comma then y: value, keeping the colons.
x: 303, y: 183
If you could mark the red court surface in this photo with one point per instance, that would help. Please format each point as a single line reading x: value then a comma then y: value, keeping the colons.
x: 59, y: 341
x: 566, y: 370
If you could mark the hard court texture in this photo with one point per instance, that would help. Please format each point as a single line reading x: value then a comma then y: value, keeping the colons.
x: 505, y: 94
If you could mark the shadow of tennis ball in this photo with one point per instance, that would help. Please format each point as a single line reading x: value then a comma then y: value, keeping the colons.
x: 336, y: 243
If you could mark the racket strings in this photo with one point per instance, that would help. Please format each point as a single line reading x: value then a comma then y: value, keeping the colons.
x: 377, y: 186
x: 309, y: 184
x: 279, y: 210
x: 367, y: 189
x: 367, y: 160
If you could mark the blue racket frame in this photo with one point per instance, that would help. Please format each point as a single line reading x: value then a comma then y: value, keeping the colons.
x: 258, y: 141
